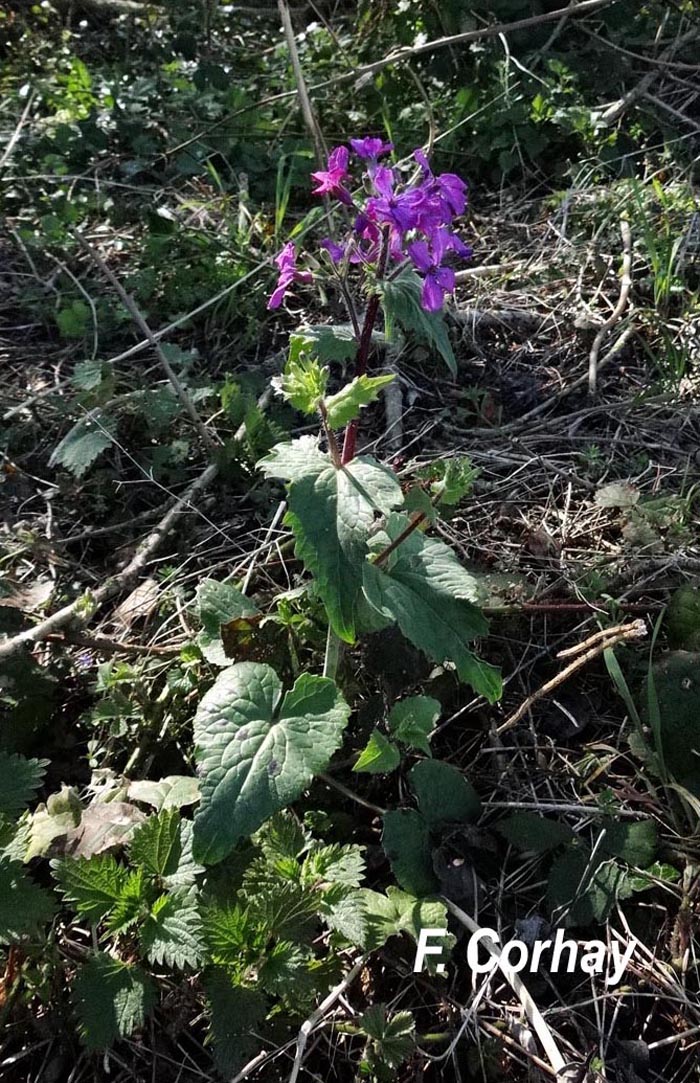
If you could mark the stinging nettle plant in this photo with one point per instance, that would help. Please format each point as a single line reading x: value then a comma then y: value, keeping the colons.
x: 359, y: 536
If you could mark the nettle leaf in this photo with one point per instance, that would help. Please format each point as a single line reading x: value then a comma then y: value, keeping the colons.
x: 443, y: 793
x: 432, y: 597
x: 334, y: 864
x: 110, y: 999
x: 20, y: 778
x: 235, y: 1014
x: 24, y: 906
x: 231, y: 934
x: 84, y: 443
x: 412, y: 720
x: 347, y: 403
x: 93, y: 885
x: 258, y: 748
x: 157, y: 845
x: 217, y: 604
x: 379, y: 756
x: 172, y: 933
x: 402, y: 305
x: 283, y: 968
x: 331, y: 512
x: 406, y: 842
x: 183, y: 878
x: 131, y: 904
x: 528, y: 831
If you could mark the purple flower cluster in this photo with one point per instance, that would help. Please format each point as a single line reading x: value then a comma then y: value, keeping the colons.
x: 394, y: 222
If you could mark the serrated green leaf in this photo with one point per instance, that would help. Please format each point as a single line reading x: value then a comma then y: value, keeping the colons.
x: 156, y: 845
x: 451, y: 479
x: 334, y: 864
x: 217, y: 604
x: 326, y: 341
x: 258, y: 748
x: 406, y: 842
x: 236, y: 1014
x: 379, y: 756
x: 294, y: 459
x: 402, y: 305
x: 432, y: 598
x: 283, y: 967
x: 282, y: 837
x: 231, y: 934
x: 172, y: 933
x: 84, y: 443
x: 110, y: 999
x: 20, y: 778
x: 443, y: 793
x: 528, y: 831
x: 130, y: 907
x: 331, y: 512
x: 93, y: 885
x: 412, y: 720
x: 23, y: 904
x: 288, y: 908
x: 347, y: 403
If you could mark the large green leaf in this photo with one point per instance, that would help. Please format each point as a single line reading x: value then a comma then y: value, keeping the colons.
x: 443, y: 793
x: 172, y: 934
x: 331, y: 512
x: 258, y: 748
x: 236, y: 1014
x: 93, y: 885
x: 425, y: 589
x: 110, y: 999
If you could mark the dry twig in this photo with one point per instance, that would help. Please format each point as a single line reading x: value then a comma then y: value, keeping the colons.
x: 616, y: 315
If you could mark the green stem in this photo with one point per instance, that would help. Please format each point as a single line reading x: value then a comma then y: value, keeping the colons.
x: 332, y: 656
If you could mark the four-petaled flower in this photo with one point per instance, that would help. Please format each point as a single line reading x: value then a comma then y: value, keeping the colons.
x: 330, y: 180
x: 287, y: 263
x: 437, y: 280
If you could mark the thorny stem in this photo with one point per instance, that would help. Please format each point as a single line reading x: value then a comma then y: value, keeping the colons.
x: 364, y: 348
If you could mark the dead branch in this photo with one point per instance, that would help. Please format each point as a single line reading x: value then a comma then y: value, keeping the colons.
x: 613, y: 113
x: 586, y: 653
x: 78, y: 612
x: 138, y: 318
x: 617, y: 313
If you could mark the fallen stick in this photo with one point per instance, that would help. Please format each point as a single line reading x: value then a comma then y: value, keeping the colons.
x: 317, y: 1015
x: 635, y: 630
x: 616, y: 315
x: 532, y: 1012
x: 80, y: 610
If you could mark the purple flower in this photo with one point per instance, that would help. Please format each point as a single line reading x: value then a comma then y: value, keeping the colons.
x: 335, y: 251
x: 370, y: 148
x: 287, y: 263
x: 330, y: 181
x: 437, y: 280
x: 400, y: 211
x: 447, y: 189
